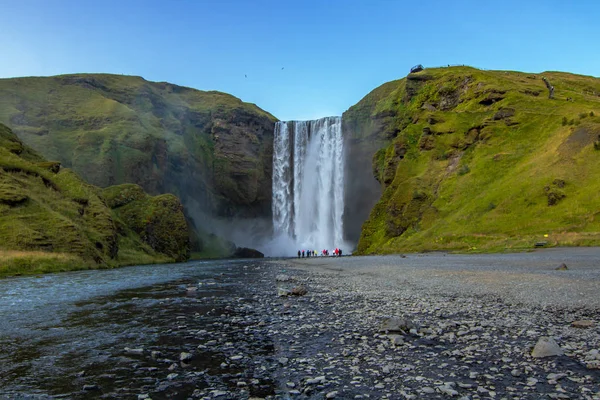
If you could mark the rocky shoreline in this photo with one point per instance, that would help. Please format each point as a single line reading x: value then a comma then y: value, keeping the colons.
x: 415, y: 327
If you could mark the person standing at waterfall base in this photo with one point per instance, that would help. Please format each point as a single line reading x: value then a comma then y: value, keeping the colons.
x: 299, y: 253
x: 302, y: 253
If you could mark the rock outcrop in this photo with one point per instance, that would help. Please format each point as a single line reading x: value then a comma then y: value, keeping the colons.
x: 158, y: 220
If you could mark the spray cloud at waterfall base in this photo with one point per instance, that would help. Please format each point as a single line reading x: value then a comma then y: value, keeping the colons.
x: 308, y: 186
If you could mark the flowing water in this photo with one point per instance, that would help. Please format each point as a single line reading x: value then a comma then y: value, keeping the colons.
x: 308, y: 184
x: 65, y: 335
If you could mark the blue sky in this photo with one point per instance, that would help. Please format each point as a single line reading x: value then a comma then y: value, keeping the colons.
x: 332, y: 52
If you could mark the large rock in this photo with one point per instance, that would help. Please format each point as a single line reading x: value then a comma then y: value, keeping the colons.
x: 395, y: 324
x: 546, y: 347
x: 245, y: 252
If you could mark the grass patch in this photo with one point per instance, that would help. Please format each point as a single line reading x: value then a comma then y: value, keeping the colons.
x: 15, y: 263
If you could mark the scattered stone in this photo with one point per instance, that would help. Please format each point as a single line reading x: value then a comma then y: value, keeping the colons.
x: 90, y: 387
x: 555, y: 377
x: 131, y: 351
x: 315, y: 381
x: 562, y: 267
x: 299, y: 291
x: 283, y: 278
x: 397, y: 340
x: 546, y: 347
x: 583, y: 323
x: 185, y: 357
x: 448, y: 391
x: 395, y: 324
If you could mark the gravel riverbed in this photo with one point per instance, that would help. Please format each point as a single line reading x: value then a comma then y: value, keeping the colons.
x: 468, y: 325
x: 424, y: 326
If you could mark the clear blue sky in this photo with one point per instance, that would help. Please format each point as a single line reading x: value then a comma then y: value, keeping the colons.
x: 332, y: 52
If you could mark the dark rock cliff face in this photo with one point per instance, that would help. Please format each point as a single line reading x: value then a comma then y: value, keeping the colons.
x: 365, y: 132
x: 208, y: 148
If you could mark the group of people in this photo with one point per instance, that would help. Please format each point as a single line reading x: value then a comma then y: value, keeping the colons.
x: 313, y: 253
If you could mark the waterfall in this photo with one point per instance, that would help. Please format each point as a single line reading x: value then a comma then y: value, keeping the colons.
x: 308, y: 185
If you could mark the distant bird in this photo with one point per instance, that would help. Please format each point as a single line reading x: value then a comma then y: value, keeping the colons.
x: 282, y: 68
x: 246, y: 76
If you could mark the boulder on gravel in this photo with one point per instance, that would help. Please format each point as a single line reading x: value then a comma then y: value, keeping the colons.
x: 582, y: 324
x: 299, y: 291
x: 546, y: 347
x: 284, y: 278
x: 246, y: 252
x: 395, y: 324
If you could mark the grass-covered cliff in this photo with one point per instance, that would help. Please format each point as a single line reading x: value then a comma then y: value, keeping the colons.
x: 51, y: 220
x: 482, y: 160
x: 209, y: 148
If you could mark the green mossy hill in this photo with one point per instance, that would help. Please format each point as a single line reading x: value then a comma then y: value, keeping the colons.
x: 205, y: 147
x: 51, y: 220
x: 158, y: 220
x: 482, y: 161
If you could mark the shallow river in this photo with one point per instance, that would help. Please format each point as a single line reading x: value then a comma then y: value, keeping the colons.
x: 65, y: 335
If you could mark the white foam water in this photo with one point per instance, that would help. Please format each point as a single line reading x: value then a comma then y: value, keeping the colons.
x: 308, y: 185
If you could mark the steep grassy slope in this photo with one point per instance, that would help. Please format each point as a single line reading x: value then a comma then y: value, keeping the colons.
x: 51, y: 220
x: 482, y: 160
x: 208, y: 148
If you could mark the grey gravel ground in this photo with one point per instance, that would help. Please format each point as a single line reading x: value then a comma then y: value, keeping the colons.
x: 477, y: 319
x: 469, y: 324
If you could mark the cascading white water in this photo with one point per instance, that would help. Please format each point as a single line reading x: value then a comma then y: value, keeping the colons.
x: 308, y: 185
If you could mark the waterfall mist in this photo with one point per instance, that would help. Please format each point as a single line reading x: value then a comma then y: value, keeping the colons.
x: 308, y: 186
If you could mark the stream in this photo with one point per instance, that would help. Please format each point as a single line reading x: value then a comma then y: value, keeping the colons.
x: 120, y: 333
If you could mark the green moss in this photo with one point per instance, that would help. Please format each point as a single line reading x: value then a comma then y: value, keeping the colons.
x: 159, y: 221
x: 115, y: 129
x: 53, y: 221
x: 476, y: 160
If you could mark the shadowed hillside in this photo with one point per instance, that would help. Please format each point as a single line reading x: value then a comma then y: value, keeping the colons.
x: 482, y: 160
x: 51, y: 220
x: 209, y: 148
